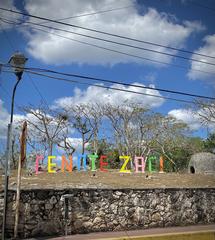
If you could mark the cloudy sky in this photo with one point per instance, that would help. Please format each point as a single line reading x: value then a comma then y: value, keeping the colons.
x: 179, y: 24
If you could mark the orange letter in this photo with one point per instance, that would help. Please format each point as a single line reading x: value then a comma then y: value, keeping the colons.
x: 68, y: 165
x: 161, y: 164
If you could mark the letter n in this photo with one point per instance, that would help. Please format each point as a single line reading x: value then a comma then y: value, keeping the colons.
x: 65, y: 163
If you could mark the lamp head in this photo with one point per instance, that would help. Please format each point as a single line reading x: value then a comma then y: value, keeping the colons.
x: 17, y: 62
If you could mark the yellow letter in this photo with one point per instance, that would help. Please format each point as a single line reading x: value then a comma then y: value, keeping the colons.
x: 50, y: 164
x: 127, y: 159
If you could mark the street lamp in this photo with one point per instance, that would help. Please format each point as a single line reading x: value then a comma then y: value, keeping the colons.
x: 17, y: 62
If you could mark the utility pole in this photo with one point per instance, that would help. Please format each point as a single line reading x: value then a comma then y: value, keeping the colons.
x: 22, y: 159
x: 17, y: 62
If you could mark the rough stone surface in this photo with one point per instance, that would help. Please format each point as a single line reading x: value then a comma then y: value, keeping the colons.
x: 203, y: 162
x: 59, y: 212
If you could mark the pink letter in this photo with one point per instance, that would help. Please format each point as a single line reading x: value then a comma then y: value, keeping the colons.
x: 138, y: 165
x: 38, y: 158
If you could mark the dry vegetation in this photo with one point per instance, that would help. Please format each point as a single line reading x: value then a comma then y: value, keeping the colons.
x: 113, y: 179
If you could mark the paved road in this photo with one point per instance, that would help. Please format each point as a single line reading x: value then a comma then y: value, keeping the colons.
x: 130, y: 234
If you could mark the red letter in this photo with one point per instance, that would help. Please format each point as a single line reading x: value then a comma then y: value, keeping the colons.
x: 103, y: 163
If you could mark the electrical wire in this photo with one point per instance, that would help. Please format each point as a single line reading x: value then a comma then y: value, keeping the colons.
x: 102, y: 86
x: 7, y: 94
x: 201, y: 5
x: 101, y: 32
x: 107, y: 87
x: 120, y: 43
x: 31, y: 80
x: 123, y: 53
x: 115, y: 82
x: 92, y: 13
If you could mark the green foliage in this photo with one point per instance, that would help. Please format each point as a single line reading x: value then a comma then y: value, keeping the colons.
x: 181, y: 157
x: 209, y: 144
x: 107, y: 149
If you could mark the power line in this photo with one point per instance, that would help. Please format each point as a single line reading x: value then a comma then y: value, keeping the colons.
x: 120, y: 52
x: 38, y: 91
x: 102, y: 32
x: 31, y: 80
x: 117, y: 82
x: 130, y: 85
x: 93, y: 13
x: 201, y: 5
x: 7, y: 94
x: 121, y: 44
x: 106, y: 87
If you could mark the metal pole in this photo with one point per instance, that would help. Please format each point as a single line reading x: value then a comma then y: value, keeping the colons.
x: 6, y: 180
x: 7, y: 163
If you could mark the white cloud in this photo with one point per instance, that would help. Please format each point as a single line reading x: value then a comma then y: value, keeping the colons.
x: 101, y: 96
x: 195, y: 25
x: 8, y: 4
x: 207, y: 49
x: 17, y: 121
x: 187, y: 116
x: 152, y: 26
x: 4, y: 120
x: 150, y: 77
x: 74, y: 142
x: 191, y: 118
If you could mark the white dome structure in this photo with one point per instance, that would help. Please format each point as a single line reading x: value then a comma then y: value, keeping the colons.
x: 203, y: 162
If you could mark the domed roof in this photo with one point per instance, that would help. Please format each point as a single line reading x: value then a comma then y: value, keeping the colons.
x: 203, y: 162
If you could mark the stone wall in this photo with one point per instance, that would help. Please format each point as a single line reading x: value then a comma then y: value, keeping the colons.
x: 59, y: 212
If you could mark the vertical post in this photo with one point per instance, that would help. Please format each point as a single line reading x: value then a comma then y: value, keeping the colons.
x: 161, y: 164
x: 17, y: 61
x: 20, y: 164
x: 17, y: 199
x: 7, y: 164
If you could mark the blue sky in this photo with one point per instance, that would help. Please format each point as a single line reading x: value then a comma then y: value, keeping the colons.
x: 182, y: 24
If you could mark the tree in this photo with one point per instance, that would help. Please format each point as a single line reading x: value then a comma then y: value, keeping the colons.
x: 205, y: 111
x: 172, y: 134
x: 123, y: 119
x: 209, y: 143
x: 86, y: 119
x: 46, y: 127
x: 107, y: 149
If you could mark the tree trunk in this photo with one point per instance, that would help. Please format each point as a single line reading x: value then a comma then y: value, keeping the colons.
x: 50, y: 148
x: 82, y: 150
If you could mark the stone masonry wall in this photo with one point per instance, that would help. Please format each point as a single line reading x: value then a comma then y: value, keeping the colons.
x: 58, y: 212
